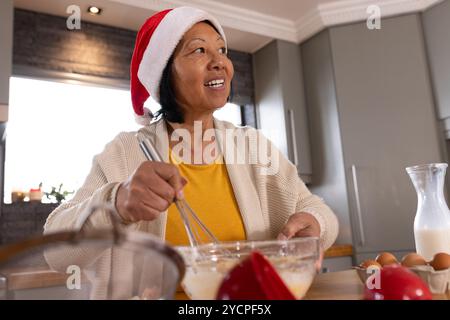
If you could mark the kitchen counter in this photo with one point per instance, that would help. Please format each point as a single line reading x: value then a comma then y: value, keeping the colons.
x: 40, y: 277
x: 343, y: 285
x: 339, y: 250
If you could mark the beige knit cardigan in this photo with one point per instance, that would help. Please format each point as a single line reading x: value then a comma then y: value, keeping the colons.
x: 265, y: 200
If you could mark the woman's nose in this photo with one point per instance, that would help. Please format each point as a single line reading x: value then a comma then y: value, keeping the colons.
x: 217, y: 62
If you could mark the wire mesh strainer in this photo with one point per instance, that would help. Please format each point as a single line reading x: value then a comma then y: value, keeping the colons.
x: 113, y: 263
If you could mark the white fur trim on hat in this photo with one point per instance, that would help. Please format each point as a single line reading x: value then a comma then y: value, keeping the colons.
x: 164, y: 41
x: 145, y: 119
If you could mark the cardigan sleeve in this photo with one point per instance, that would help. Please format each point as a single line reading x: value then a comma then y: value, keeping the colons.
x: 314, y: 205
x: 287, y: 194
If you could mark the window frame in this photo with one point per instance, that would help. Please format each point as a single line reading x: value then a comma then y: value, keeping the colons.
x: 69, y: 78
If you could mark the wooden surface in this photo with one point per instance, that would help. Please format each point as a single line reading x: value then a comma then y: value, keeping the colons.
x: 343, y: 285
x: 35, y: 278
x: 339, y: 250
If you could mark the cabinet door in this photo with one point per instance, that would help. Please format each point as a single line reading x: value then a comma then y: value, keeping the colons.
x: 436, y: 23
x: 6, y: 49
x: 280, y: 99
x: 296, y: 121
x: 387, y: 123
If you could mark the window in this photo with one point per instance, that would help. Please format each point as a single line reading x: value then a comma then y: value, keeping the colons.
x: 56, y: 128
x: 230, y: 112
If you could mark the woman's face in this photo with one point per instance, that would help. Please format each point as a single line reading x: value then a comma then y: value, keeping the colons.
x: 201, y: 70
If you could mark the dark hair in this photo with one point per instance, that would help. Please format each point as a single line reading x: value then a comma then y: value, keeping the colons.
x: 170, y: 109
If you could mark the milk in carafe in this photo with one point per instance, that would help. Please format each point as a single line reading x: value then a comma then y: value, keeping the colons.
x: 431, y: 241
x: 432, y: 220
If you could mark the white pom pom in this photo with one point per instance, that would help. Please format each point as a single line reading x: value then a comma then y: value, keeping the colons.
x: 145, y: 119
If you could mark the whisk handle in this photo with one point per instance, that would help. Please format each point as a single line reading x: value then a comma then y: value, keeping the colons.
x: 149, y: 150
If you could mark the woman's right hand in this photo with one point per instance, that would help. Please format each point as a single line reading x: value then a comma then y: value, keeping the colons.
x: 149, y: 191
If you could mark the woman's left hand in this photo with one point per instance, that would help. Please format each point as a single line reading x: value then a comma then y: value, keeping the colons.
x: 299, y: 225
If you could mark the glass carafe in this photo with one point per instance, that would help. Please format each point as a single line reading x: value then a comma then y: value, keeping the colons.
x: 432, y: 221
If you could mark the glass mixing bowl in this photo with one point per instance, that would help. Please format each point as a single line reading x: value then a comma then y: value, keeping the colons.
x: 207, y: 265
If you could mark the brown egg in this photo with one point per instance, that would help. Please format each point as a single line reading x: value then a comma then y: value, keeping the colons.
x: 386, y: 258
x: 441, y: 261
x: 413, y: 259
x: 367, y: 263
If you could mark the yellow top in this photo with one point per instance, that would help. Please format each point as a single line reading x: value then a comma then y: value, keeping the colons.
x: 210, y: 195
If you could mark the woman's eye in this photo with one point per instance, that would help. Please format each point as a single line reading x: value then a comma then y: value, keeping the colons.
x: 223, y: 50
x: 199, y: 50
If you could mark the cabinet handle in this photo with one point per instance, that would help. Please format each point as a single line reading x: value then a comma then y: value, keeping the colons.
x: 362, y: 239
x: 293, y: 136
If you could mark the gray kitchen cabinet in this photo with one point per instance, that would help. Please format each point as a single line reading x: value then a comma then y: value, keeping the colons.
x: 326, y: 144
x: 6, y: 49
x: 372, y: 92
x: 279, y: 98
x: 6, y: 36
x: 336, y: 264
x: 436, y: 25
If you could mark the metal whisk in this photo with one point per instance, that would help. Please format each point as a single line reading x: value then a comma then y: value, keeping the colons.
x: 183, y: 207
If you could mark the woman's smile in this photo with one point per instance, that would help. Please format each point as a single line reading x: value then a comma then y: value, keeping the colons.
x: 216, y: 84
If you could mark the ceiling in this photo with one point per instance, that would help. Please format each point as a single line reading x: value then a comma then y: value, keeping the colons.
x: 285, y: 9
x: 248, y: 24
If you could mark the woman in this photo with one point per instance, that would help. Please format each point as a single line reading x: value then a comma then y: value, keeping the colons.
x: 180, y: 59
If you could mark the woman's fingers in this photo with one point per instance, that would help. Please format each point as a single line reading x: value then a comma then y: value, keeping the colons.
x: 318, y: 264
x: 143, y: 212
x: 154, y: 200
x: 294, y: 225
x: 149, y: 191
x: 161, y: 187
x: 172, y: 175
x: 300, y: 225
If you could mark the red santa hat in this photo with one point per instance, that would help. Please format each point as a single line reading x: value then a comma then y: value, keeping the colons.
x: 155, y: 43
